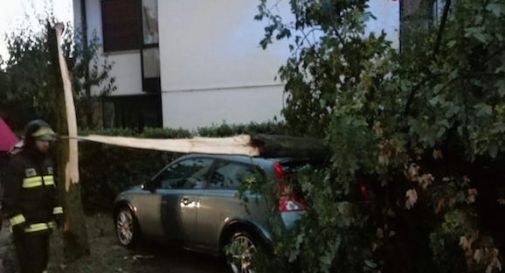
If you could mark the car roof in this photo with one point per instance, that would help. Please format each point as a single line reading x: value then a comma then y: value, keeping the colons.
x: 247, y: 159
x: 264, y: 163
x: 239, y: 158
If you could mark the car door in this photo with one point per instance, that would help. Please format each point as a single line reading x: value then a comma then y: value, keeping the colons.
x: 181, y: 185
x: 148, y: 211
x: 220, y: 201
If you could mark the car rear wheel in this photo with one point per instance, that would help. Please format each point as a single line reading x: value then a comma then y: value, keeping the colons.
x: 127, y: 230
x: 240, y: 252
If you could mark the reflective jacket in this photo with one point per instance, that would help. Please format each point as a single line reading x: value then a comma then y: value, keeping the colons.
x: 30, y: 194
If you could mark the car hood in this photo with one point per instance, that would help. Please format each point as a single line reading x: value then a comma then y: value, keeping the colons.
x: 136, y: 188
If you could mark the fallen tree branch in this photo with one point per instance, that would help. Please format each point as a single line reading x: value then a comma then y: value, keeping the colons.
x: 247, y: 145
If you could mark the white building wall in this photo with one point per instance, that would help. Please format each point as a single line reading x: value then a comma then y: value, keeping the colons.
x: 127, y: 71
x: 94, y: 19
x: 388, y: 19
x: 192, y: 109
x: 76, y: 6
x: 126, y: 68
x: 213, y: 69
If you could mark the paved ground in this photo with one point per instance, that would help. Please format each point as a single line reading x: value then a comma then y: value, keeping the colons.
x: 7, y: 258
x: 180, y: 261
x: 108, y: 257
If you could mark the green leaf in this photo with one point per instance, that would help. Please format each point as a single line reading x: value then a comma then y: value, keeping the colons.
x: 493, y: 150
x: 326, y: 259
x: 499, y: 127
x: 483, y: 109
x: 451, y: 43
x: 477, y: 33
x: 495, y: 8
x: 500, y: 85
x: 371, y: 264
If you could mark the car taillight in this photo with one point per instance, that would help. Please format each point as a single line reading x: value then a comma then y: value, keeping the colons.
x: 288, y: 199
x: 290, y: 203
x: 278, y: 172
x: 364, y: 193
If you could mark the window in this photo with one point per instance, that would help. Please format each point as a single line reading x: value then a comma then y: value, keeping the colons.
x: 230, y: 175
x: 151, y: 69
x: 130, y: 25
x: 150, y: 21
x: 121, y: 24
x: 187, y: 174
x: 135, y: 112
x: 151, y: 62
x: 150, y: 53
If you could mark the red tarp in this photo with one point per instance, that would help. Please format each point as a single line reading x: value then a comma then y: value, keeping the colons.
x: 7, y: 137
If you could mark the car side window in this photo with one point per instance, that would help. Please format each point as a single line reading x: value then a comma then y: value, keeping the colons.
x: 230, y: 175
x: 186, y: 174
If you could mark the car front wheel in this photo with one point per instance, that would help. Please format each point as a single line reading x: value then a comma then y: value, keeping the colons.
x: 240, y: 252
x: 126, y: 227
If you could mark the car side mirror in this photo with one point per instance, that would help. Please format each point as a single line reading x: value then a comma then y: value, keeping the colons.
x: 150, y: 186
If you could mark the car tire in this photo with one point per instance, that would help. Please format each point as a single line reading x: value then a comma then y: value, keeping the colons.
x: 240, y: 252
x: 127, y: 228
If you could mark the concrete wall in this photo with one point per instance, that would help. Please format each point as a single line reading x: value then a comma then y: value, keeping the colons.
x: 388, y: 19
x: 192, y: 109
x: 126, y: 68
x: 213, y: 69
x: 76, y: 6
x: 213, y: 66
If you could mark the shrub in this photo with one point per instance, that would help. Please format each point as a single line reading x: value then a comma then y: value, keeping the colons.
x: 421, y: 127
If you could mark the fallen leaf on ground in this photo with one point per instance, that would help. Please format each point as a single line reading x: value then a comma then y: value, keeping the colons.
x: 411, y: 196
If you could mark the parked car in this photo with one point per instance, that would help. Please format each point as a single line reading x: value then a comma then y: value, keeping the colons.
x: 194, y: 202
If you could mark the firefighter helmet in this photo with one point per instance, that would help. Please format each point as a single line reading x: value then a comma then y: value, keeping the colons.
x: 39, y: 130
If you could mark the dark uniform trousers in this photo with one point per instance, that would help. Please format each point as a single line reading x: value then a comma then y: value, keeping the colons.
x: 31, y: 202
x: 32, y: 251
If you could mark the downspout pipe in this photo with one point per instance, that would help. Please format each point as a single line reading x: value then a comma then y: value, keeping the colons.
x: 84, y: 29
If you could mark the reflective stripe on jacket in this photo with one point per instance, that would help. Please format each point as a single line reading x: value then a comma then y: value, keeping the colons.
x: 39, y: 227
x: 38, y: 181
x: 30, y: 193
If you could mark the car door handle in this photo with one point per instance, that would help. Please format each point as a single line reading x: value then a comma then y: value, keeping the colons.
x: 186, y: 201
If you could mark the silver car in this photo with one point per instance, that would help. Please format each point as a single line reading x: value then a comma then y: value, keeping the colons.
x: 194, y: 202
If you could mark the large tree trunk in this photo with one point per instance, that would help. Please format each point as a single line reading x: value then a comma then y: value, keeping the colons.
x: 250, y: 145
x: 75, y: 235
x: 289, y: 146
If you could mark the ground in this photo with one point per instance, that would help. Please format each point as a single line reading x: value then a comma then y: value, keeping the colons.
x: 107, y: 256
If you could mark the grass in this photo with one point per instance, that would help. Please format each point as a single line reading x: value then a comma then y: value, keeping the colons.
x: 107, y: 256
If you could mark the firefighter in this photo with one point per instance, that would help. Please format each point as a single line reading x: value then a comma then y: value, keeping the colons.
x: 31, y: 198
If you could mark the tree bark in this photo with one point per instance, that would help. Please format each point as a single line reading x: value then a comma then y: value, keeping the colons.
x: 250, y: 145
x: 75, y: 236
x: 289, y: 146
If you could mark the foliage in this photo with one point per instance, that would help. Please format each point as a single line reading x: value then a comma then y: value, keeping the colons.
x: 90, y: 77
x: 224, y: 129
x: 3, y: 85
x: 25, y: 76
x: 417, y: 134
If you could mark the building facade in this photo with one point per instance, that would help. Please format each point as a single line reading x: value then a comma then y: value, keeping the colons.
x: 194, y: 63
